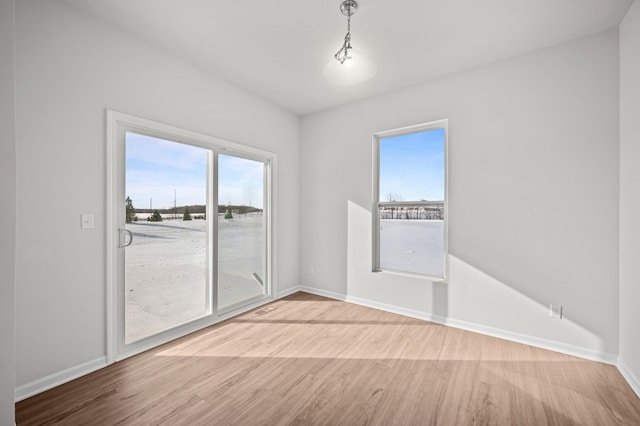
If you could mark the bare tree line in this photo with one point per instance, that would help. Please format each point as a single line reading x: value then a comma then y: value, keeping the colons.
x: 418, y: 212
x: 412, y: 212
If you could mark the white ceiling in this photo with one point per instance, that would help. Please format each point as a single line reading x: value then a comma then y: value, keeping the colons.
x: 277, y: 49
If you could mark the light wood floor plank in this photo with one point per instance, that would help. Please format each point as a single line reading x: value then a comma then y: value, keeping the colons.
x: 316, y: 361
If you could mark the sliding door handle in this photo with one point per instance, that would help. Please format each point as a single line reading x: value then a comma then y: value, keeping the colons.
x: 122, y: 243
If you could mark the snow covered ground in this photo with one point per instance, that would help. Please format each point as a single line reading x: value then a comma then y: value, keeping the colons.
x: 412, y: 246
x: 166, y: 274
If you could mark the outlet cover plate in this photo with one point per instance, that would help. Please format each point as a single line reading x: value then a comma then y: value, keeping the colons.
x: 555, y: 311
x: 87, y: 221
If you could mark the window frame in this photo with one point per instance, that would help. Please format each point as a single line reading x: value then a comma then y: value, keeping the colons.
x: 376, y: 203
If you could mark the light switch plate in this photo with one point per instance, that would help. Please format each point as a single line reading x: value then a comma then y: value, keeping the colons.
x: 555, y: 311
x: 88, y: 221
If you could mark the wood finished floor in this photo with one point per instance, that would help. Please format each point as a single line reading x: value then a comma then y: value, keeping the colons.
x: 316, y: 361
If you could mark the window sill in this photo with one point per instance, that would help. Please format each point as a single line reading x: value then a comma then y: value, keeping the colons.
x: 430, y: 278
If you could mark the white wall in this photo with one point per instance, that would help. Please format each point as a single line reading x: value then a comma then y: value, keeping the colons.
x: 533, y: 195
x: 629, y: 192
x: 69, y: 69
x: 8, y: 221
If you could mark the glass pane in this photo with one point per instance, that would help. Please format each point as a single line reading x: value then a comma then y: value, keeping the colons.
x: 412, y: 169
x: 241, y: 230
x: 166, y: 276
x: 413, y: 241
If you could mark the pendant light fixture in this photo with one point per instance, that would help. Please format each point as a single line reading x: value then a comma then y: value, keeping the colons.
x: 349, y: 65
x: 348, y: 8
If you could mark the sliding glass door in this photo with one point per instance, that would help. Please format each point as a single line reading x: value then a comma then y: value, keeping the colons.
x: 241, y: 231
x: 191, y: 238
x: 167, y: 273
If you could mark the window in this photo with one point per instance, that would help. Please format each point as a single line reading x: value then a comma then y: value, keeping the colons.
x: 410, y: 200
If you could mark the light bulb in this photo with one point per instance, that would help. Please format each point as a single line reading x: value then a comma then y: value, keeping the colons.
x: 348, y: 62
x: 355, y: 69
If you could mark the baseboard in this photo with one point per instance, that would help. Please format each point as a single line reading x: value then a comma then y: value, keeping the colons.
x: 288, y: 292
x: 324, y: 293
x: 312, y: 290
x: 473, y: 327
x: 56, y: 379
x: 538, y: 342
x: 396, y: 309
x: 629, y: 377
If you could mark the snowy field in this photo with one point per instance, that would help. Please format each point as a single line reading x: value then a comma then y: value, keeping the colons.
x: 412, y: 246
x: 166, y: 274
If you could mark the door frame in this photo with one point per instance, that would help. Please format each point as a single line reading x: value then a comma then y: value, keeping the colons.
x: 117, y: 124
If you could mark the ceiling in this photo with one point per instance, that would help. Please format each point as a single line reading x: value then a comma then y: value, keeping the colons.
x: 277, y: 49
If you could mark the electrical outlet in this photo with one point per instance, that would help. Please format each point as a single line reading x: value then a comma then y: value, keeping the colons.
x: 87, y: 221
x: 555, y: 311
x: 312, y: 270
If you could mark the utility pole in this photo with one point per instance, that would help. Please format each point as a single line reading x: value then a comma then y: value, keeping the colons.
x: 175, y: 206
